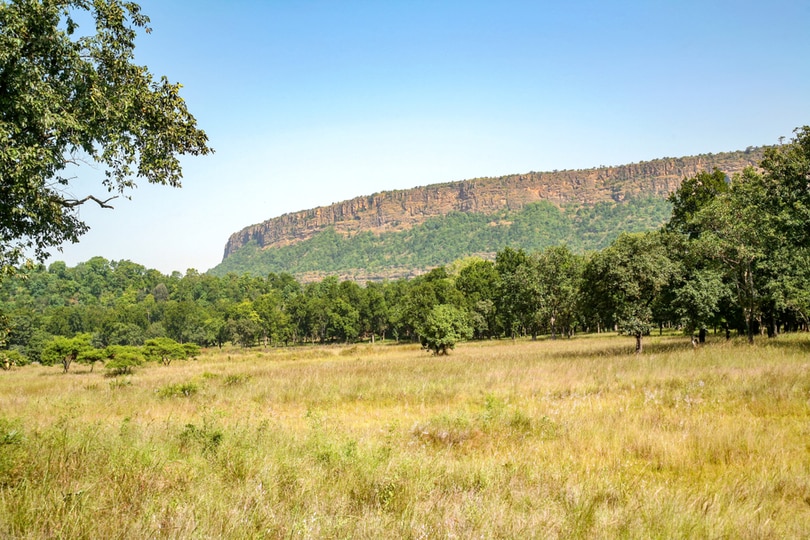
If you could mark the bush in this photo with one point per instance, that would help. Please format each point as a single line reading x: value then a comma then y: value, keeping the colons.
x: 179, y: 390
x: 11, y: 358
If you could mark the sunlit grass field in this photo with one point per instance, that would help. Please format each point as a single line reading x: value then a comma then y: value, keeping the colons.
x: 571, y: 438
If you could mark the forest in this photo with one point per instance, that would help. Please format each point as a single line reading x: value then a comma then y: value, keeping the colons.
x: 535, y: 227
x: 732, y: 257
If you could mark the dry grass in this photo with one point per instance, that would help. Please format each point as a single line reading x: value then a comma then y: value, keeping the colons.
x: 552, y: 439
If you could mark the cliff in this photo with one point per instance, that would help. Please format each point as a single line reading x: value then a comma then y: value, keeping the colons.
x: 402, y: 209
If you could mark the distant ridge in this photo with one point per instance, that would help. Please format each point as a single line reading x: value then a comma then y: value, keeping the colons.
x: 402, y: 209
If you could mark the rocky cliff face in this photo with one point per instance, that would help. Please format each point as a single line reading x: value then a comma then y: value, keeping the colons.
x: 402, y: 209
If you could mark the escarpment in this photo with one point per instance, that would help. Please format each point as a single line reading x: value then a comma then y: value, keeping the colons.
x: 399, y: 210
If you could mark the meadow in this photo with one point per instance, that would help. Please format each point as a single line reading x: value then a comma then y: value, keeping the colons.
x: 574, y: 438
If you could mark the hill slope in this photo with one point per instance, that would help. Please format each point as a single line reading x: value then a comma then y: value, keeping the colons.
x: 402, y: 232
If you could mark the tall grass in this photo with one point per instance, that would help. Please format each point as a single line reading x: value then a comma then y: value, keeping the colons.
x: 550, y: 439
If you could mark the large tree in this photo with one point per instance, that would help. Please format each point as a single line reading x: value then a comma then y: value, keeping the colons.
x: 71, y: 95
x: 558, y: 272
x: 623, y: 281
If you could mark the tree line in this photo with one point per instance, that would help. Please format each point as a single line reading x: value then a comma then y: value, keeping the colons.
x: 732, y: 257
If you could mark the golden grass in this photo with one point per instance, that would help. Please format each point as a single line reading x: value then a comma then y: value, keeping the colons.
x: 550, y: 439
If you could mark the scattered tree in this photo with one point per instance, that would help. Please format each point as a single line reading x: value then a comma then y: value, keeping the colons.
x: 444, y: 326
x: 164, y: 350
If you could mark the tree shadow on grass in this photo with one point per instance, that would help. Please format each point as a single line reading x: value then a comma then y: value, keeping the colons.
x: 625, y: 347
x: 786, y: 342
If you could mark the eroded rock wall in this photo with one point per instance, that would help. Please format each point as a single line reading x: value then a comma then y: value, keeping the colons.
x: 402, y: 209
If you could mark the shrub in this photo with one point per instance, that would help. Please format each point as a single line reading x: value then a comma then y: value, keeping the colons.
x: 11, y: 358
x: 187, y: 389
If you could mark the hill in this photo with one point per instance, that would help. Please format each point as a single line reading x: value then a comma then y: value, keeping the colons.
x: 403, y: 232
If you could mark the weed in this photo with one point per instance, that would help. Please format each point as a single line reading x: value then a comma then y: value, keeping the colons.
x: 118, y: 383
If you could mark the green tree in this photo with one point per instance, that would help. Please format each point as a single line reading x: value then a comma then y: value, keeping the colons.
x: 65, y: 350
x: 273, y: 321
x: 737, y: 234
x: 558, y: 272
x: 443, y: 327
x: 424, y: 293
x: 691, y: 196
x: 511, y: 304
x: 478, y: 281
x: 245, y: 324
x: 623, y: 281
x: 786, y: 169
x: 374, y: 311
x: 164, y: 350
x: 698, y: 290
x: 91, y: 355
x: 68, y: 97
x: 121, y: 359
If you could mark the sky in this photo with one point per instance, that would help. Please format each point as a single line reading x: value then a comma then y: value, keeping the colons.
x: 308, y: 103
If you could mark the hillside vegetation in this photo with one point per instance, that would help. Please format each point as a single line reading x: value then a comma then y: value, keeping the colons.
x: 404, y: 232
x: 365, y: 255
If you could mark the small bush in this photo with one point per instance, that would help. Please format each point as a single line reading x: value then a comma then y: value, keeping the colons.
x: 179, y: 390
x: 120, y: 383
x: 236, y: 379
x: 205, y: 438
x: 11, y: 358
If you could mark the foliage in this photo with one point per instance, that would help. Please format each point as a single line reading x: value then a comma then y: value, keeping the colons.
x: 63, y: 350
x: 68, y: 97
x: 694, y: 194
x: 535, y: 227
x: 10, y: 358
x: 624, y: 280
x: 186, y: 389
x: 558, y: 272
x: 122, y: 359
x: 164, y: 350
x: 444, y: 326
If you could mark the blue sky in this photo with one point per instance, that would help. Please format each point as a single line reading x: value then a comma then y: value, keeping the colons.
x: 313, y: 102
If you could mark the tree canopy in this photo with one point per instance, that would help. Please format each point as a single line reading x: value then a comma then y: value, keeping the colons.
x: 70, y: 97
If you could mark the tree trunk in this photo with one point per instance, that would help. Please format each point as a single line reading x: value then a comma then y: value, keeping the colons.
x: 750, y: 329
x: 638, y: 343
x: 702, y: 335
x: 773, y: 327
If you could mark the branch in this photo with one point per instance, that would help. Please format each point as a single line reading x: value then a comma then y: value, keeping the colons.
x: 72, y: 203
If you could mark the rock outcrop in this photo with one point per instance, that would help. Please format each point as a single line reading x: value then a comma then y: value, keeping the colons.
x: 402, y: 209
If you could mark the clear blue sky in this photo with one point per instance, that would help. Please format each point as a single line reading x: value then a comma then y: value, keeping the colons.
x: 313, y: 102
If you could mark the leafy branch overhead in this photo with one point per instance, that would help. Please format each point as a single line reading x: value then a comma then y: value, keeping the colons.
x: 69, y: 97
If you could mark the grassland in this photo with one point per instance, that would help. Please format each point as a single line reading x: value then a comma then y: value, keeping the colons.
x: 549, y: 439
